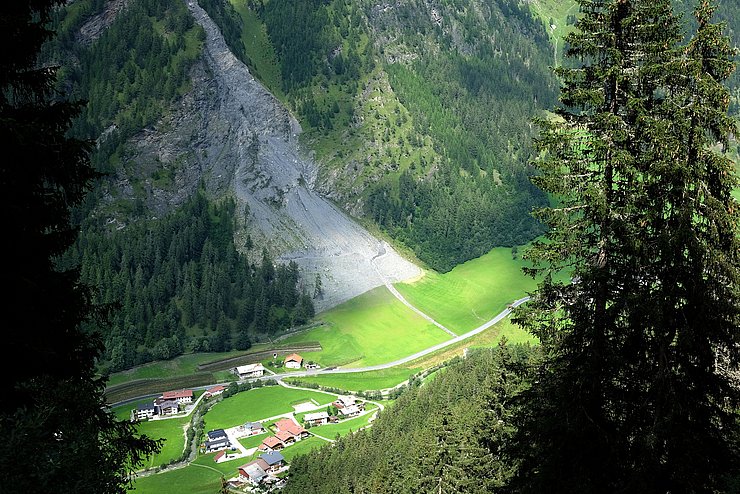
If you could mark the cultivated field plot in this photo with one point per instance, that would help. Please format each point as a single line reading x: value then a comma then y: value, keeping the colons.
x: 371, y: 329
x: 473, y: 292
x: 258, y: 404
x: 173, y: 433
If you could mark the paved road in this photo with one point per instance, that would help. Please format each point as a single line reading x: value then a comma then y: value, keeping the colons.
x: 320, y: 372
x: 427, y: 351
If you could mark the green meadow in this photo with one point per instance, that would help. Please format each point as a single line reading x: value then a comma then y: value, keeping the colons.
x: 370, y: 329
x: 257, y: 404
x: 389, y: 378
x: 330, y: 431
x: 361, y: 381
x: 173, y: 433
x: 192, y: 479
x: 473, y: 292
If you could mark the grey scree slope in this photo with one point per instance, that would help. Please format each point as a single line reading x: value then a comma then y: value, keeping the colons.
x: 276, y: 181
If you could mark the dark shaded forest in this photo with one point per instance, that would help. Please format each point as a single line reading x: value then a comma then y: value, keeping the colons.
x: 179, y: 285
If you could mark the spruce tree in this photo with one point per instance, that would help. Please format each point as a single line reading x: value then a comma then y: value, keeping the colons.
x: 58, y: 436
x: 630, y: 397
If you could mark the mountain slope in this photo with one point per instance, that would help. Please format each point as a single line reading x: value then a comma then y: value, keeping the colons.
x: 258, y: 153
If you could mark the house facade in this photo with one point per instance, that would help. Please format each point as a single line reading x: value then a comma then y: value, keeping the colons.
x: 166, y: 407
x: 217, y: 440
x: 271, y: 443
x: 144, y: 411
x: 250, y: 370
x: 181, y: 396
x: 254, y: 428
x: 317, y: 418
x: 274, y: 460
x: 293, y: 361
x: 215, y: 391
x: 254, y: 471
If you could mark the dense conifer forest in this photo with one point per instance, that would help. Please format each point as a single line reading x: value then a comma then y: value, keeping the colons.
x: 446, y: 435
x: 179, y: 285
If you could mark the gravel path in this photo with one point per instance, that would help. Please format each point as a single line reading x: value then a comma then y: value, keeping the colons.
x: 275, y: 179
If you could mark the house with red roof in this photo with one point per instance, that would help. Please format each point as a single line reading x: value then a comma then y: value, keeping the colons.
x: 214, y: 391
x: 180, y: 396
x: 293, y: 361
x: 271, y: 443
x: 292, y: 428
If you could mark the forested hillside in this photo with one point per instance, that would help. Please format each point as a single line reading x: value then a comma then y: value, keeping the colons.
x: 179, y: 285
x: 175, y: 283
x: 418, y: 111
x: 443, y: 436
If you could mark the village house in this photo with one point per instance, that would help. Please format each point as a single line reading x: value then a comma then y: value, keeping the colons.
x: 250, y: 370
x: 285, y: 437
x: 145, y: 411
x: 274, y: 459
x: 253, y: 428
x: 217, y: 440
x: 166, y: 407
x: 271, y: 443
x: 289, y: 426
x: 316, y: 418
x: 181, y: 396
x: 254, y: 471
x: 214, y: 391
x: 293, y: 361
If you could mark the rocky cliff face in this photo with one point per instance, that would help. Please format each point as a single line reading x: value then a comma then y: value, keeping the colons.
x: 232, y: 134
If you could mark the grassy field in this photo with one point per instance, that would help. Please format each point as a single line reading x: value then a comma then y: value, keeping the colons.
x: 173, y: 432
x: 342, y: 428
x: 189, y: 480
x: 257, y: 404
x: 388, y: 378
x: 373, y: 328
x: 473, y: 292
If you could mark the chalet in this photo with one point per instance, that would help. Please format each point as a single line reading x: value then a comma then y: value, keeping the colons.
x: 217, y: 440
x: 289, y: 426
x: 166, y: 407
x: 271, y: 443
x: 345, y: 401
x: 145, y: 411
x: 293, y: 361
x: 350, y: 411
x: 250, y: 370
x: 274, y: 459
x: 181, y: 396
x: 285, y: 437
x: 253, y: 428
x: 254, y: 471
x: 214, y: 391
x: 317, y: 418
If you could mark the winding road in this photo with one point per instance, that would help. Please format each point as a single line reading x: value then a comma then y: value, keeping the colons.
x: 320, y: 372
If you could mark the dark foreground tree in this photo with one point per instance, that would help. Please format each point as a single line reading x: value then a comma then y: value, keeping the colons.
x: 57, y: 435
x: 631, y: 396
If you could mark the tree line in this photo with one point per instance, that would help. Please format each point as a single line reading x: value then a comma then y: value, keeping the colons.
x: 178, y: 284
